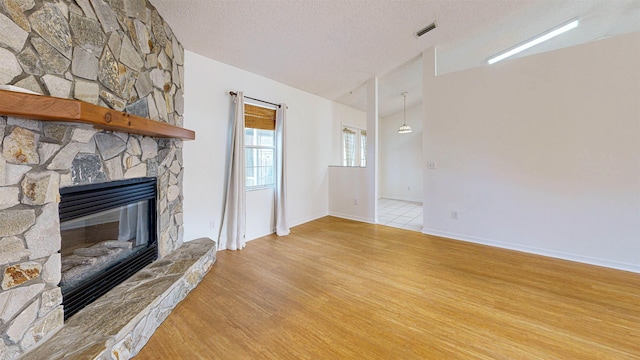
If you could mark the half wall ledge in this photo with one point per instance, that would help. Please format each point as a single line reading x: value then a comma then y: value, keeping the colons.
x: 47, y: 108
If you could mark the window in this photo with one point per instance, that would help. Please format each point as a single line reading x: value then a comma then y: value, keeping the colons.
x: 259, y: 154
x: 259, y: 146
x: 349, y: 147
x: 363, y: 148
x: 354, y: 146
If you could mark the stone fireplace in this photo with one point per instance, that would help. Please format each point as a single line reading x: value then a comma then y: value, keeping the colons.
x: 30, y: 231
x: 113, y: 53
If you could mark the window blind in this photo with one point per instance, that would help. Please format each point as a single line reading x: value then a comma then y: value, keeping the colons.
x: 256, y: 117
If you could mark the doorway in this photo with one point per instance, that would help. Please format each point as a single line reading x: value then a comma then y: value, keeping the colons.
x: 400, y: 214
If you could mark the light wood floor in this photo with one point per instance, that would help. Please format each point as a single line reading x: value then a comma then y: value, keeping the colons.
x: 337, y: 289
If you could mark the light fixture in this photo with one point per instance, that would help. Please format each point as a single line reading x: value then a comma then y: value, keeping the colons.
x: 404, y: 129
x: 549, y: 34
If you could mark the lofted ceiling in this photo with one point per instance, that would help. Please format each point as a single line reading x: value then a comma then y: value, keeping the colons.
x: 332, y: 47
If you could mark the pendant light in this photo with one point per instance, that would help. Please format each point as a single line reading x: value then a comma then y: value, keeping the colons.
x: 404, y: 129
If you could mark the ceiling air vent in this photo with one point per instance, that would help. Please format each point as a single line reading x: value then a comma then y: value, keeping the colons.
x: 426, y: 29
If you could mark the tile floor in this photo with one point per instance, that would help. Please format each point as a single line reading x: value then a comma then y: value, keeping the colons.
x: 401, y: 214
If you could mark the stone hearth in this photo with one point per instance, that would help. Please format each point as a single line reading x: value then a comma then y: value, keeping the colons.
x: 120, y: 323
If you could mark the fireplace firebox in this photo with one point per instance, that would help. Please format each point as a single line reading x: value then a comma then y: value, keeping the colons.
x: 108, y: 233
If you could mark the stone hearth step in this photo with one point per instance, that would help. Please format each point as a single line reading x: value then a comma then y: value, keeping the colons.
x: 119, y: 324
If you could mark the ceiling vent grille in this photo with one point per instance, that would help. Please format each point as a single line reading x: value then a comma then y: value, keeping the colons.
x: 426, y: 29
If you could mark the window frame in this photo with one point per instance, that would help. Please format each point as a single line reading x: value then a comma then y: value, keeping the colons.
x: 259, y: 118
x: 259, y: 147
x: 362, y: 147
x: 360, y: 151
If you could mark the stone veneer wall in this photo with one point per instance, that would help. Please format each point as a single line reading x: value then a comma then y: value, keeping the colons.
x: 119, y: 54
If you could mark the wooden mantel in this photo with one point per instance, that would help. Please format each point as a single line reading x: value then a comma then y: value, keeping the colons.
x: 48, y: 108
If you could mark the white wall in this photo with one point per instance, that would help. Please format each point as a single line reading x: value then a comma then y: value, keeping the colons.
x: 372, y: 184
x: 540, y: 154
x: 353, y: 191
x: 349, y: 197
x: 401, y: 156
x: 345, y: 116
x: 310, y: 147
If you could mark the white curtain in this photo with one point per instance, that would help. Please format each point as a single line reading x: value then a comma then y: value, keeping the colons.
x: 282, y: 225
x: 232, y: 228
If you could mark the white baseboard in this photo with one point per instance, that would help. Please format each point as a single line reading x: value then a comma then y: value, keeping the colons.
x: 351, y: 217
x: 273, y: 230
x: 402, y: 198
x: 534, y: 250
x: 258, y: 235
x: 307, y: 219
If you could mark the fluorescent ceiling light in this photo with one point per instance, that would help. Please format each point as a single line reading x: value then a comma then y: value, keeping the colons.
x: 535, y: 41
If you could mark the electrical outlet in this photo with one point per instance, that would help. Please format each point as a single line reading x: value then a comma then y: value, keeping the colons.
x: 431, y: 165
x: 355, y: 201
x: 212, y: 224
x: 408, y: 188
x: 455, y: 215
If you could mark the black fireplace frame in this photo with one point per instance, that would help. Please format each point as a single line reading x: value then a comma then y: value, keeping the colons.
x: 81, y: 200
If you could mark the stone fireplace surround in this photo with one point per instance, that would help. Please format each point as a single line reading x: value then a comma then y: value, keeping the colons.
x: 113, y: 53
x: 30, y: 300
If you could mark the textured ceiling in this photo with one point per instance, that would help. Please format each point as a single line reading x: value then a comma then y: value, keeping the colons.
x: 332, y: 47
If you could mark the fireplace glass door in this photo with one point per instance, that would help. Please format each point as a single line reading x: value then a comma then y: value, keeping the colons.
x: 108, y: 233
x: 94, y: 242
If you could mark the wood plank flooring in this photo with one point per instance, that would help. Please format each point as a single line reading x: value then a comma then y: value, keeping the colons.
x: 338, y: 289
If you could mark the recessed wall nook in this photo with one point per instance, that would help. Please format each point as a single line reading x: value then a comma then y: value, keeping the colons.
x: 109, y: 77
